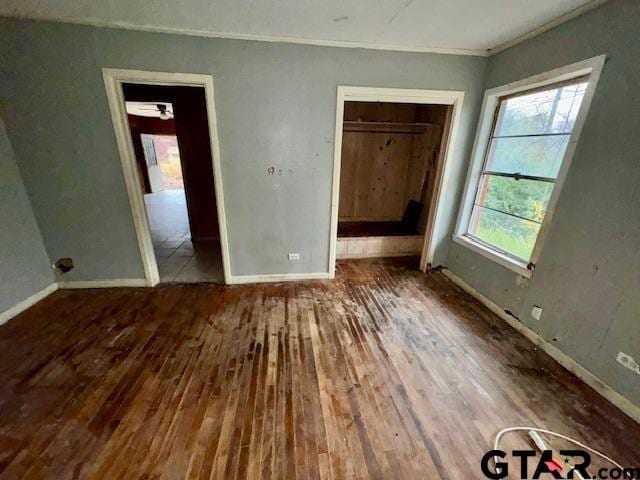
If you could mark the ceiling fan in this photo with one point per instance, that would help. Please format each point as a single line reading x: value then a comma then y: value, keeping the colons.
x: 164, y: 113
x: 162, y: 110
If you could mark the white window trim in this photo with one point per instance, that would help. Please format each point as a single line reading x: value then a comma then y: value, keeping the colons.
x: 496, y: 255
x: 592, y: 67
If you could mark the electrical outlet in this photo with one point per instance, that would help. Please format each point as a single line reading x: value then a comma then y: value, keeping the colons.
x: 536, y: 312
x: 628, y: 362
x: 294, y: 256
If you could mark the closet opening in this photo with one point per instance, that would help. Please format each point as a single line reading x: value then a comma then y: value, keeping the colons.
x: 391, y: 157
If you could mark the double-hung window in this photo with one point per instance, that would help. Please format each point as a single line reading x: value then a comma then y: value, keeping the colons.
x: 522, y: 156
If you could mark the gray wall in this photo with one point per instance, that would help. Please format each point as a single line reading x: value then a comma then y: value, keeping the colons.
x: 588, y: 277
x: 275, y: 105
x: 24, y: 264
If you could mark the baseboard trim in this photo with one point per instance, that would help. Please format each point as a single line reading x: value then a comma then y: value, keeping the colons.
x: 110, y: 283
x: 277, y: 277
x: 27, y: 302
x: 622, y: 403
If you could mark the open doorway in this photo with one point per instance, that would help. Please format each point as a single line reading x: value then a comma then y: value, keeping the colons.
x: 391, y: 152
x: 169, y: 134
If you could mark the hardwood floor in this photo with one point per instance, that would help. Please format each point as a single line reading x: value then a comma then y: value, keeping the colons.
x: 383, y: 373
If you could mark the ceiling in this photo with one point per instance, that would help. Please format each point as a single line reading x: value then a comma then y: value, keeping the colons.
x: 450, y: 26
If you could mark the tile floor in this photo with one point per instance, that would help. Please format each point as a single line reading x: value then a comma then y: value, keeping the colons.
x: 179, y: 258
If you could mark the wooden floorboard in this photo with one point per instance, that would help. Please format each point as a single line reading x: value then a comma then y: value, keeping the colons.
x: 383, y: 373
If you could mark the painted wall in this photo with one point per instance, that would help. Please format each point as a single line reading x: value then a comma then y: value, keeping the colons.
x: 588, y: 277
x: 275, y: 106
x: 24, y: 264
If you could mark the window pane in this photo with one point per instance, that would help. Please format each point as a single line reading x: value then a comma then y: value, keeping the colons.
x: 549, y: 111
x: 536, y: 156
x: 508, y: 233
x: 524, y: 198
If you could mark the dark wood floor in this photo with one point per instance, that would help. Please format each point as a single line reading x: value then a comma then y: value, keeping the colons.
x: 382, y: 373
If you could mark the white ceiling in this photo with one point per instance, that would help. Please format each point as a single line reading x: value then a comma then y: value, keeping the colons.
x: 468, y: 26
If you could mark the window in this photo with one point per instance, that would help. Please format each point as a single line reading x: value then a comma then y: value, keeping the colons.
x: 528, y: 142
x: 523, y: 140
x: 526, y: 145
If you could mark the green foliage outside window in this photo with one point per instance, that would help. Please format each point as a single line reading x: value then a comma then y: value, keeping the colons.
x: 530, y: 138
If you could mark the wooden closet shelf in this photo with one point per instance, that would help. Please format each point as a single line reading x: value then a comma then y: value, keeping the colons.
x: 385, y: 127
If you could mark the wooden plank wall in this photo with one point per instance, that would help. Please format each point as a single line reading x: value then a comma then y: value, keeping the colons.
x: 373, y: 247
x: 385, y: 166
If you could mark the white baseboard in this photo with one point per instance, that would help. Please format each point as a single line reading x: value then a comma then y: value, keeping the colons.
x: 27, y: 302
x: 110, y: 283
x: 234, y: 280
x: 558, y: 355
x: 142, y: 282
x: 277, y: 277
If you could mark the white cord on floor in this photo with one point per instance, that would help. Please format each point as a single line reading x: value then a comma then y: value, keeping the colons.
x: 554, y: 434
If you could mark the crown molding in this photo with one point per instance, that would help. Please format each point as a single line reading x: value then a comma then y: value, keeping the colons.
x: 593, y: 4
x: 94, y: 22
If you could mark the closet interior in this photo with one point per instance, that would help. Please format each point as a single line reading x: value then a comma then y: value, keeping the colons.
x: 390, y: 156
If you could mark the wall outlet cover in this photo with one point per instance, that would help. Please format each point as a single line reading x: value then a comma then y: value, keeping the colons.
x: 536, y: 312
x: 628, y: 362
x: 294, y: 256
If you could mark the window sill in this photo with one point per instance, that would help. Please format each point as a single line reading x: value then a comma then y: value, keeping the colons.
x: 519, y: 267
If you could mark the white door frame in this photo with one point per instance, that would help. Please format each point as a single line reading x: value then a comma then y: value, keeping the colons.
x: 113, y: 80
x: 396, y: 95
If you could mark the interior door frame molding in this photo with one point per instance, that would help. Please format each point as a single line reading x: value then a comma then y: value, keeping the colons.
x: 398, y: 95
x: 113, y: 80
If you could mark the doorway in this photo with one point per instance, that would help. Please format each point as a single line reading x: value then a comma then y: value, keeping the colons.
x: 170, y: 136
x: 390, y: 161
x: 166, y: 132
